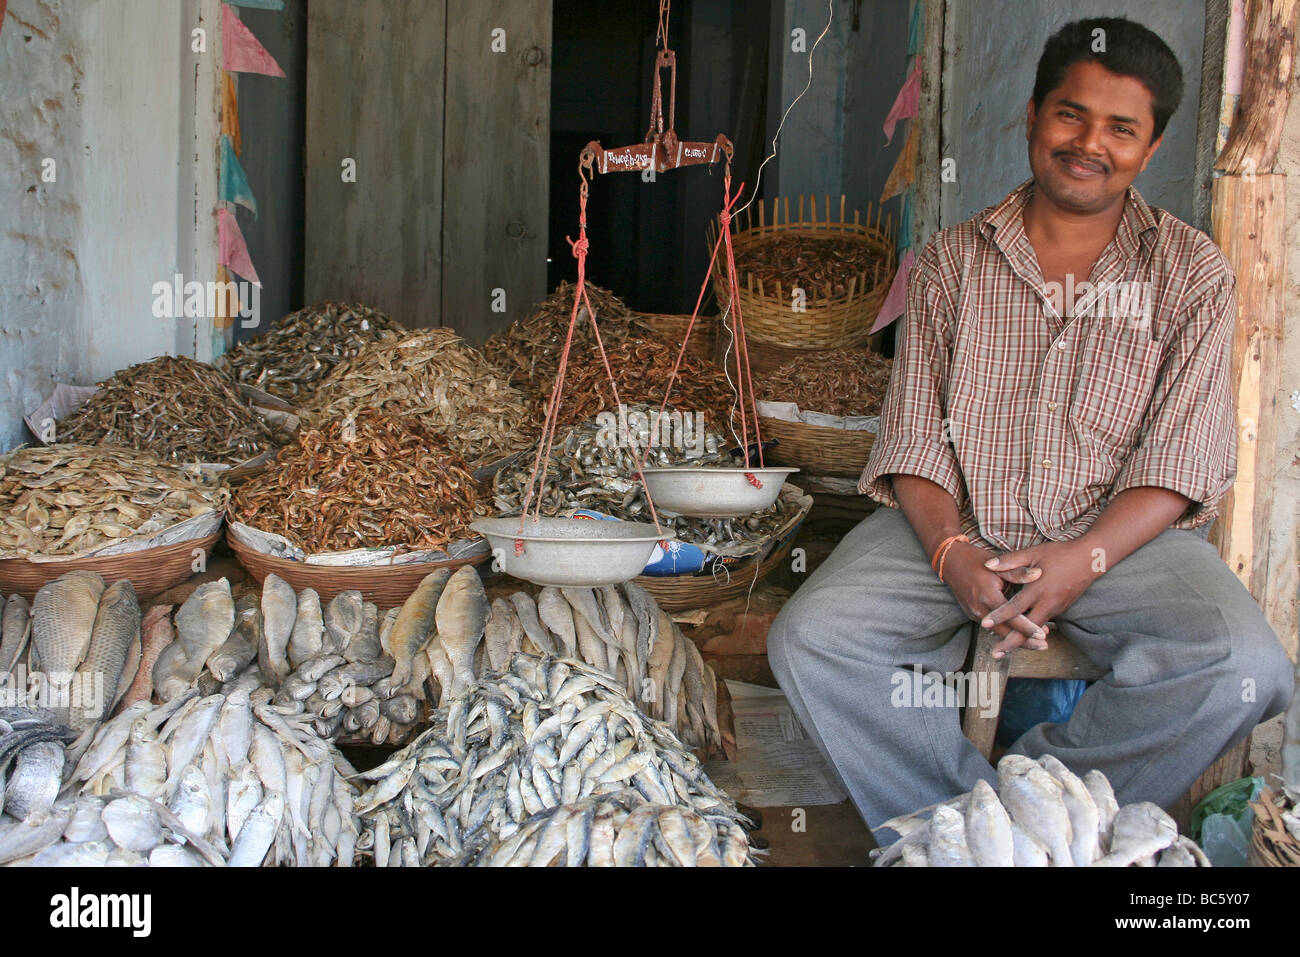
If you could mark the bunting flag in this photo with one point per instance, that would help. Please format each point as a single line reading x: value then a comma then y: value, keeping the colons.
x: 277, y: 5
x: 904, y: 171
x: 228, y: 304
x: 915, y: 30
x: 241, y: 51
x: 230, y: 112
x: 233, y: 251
x: 234, y: 186
x: 905, y: 104
x: 896, y: 299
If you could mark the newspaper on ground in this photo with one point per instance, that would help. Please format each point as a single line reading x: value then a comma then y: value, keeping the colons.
x: 777, y: 764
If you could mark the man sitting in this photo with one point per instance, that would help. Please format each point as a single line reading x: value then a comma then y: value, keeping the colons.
x: 1051, y: 451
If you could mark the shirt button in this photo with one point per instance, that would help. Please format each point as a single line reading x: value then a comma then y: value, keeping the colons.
x: 1047, y: 463
x: 1061, y: 345
x: 1051, y: 407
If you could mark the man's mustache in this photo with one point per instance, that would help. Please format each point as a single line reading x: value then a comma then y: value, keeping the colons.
x: 1082, y: 161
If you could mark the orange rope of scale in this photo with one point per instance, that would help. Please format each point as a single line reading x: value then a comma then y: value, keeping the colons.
x: 542, y: 460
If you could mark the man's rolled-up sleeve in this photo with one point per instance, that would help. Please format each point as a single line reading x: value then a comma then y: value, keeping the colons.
x: 1188, y: 443
x: 912, y: 439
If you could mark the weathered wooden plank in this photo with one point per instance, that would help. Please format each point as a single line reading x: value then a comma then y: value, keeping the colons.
x: 1249, y: 225
x: 375, y: 95
x: 496, y: 163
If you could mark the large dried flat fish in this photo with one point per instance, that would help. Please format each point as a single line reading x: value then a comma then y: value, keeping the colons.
x: 70, y: 499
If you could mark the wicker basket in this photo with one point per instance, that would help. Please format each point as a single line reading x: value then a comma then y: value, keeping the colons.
x: 1271, y: 844
x: 385, y: 585
x: 829, y: 321
x: 151, y: 571
x: 817, y: 449
x: 672, y: 327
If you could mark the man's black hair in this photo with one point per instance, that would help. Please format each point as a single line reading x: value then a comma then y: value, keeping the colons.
x: 1123, y: 47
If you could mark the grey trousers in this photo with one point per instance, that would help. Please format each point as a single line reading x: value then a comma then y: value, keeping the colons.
x: 1192, y: 667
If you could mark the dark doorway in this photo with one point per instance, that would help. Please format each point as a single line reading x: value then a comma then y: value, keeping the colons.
x: 648, y: 240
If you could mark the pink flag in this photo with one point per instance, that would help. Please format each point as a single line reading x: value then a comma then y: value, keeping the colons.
x: 896, y: 300
x: 905, y: 104
x: 241, y: 51
x: 233, y: 250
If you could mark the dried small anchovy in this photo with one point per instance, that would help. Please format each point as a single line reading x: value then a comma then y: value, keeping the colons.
x: 305, y: 346
x: 844, y: 382
x: 436, y: 376
x: 529, y: 351
x: 69, y: 499
x: 371, y: 480
x: 184, y: 410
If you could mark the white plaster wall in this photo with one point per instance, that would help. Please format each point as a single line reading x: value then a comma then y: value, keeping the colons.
x: 42, y: 83
x: 109, y: 90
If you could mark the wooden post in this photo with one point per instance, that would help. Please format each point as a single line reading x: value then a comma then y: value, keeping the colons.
x: 1248, y: 220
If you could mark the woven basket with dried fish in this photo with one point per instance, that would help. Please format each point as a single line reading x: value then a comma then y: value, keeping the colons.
x: 305, y: 346
x: 844, y: 382
x: 434, y: 376
x: 364, y: 481
x: 810, y: 262
x: 183, y: 410
x: 593, y: 465
x: 70, y: 499
x: 529, y: 351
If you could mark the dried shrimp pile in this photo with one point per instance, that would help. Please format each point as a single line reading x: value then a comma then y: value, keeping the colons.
x: 808, y: 261
x: 434, y: 376
x: 844, y: 382
x: 181, y: 409
x: 69, y: 499
x: 365, y: 481
x: 305, y: 346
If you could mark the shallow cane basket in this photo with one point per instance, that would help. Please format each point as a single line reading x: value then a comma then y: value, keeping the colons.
x: 829, y: 321
x: 385, y: 585
x: 150, y: 571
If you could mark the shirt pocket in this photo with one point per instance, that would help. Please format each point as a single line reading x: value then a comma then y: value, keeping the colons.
x: 1116, y: 378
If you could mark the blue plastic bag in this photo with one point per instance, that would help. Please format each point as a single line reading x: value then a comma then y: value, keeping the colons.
x: 1031, y: 701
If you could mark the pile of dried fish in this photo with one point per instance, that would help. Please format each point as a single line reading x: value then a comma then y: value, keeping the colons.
x: 547, y: 762
x: 82, y: 639
x: 31, y: 765
x: 226, y: 780
x: 69, y: 499
x: 371, y: 480
x: 592, y: 468
x: 305, y: 346
x: 844, y: 382
x: 529, y: 351
x: 180, y: 409
x: 819, y: 265
x: 433, y: 376
x: 332, y: 666
x: 1041, y: 815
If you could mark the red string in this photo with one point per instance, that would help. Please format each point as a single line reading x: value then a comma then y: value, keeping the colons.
x: 542, y: 461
